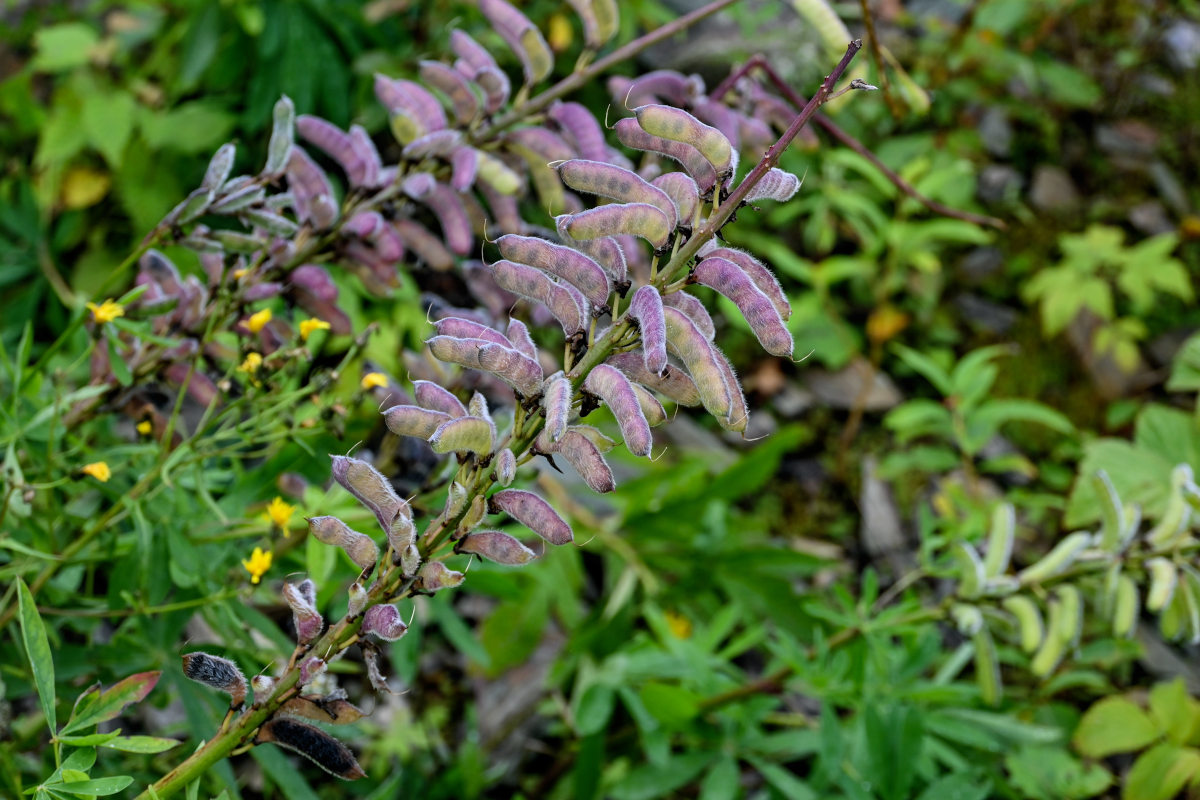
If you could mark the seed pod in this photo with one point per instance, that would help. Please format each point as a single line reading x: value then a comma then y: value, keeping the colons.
x: 778, y: 185
x: 1053, y: 647
x: 478, y: 407
x: 970, y: 570
x: 719, y: 116
x: 414, y: 421
x: 473, y: 54
x: 354, y: 153
x: 370, y: 488
x: 401, y: 535
x: 435, y: 398
x: 1070, y: 623
x: 630, y: 133
x: 427, y: 247
x: 600, y: 19
x: 505, y: 467
x: 1029, y: 620
x: 463, y: 435
x: 496, y: 88
x: 651, y: 408
x: 331, y: 530
x: 673, y: 383
x: 987, y: 668
x: 1112, y: 513
x: 605, y: 251
x: 462, y: 94
x: 363, y: 224
x: 610, y: 385
x: 646, y: 308
x: 677, y: 125
x: 1174, y: 520
x: 616, y: 183
x: 233, y: 200
x: 636, y: 219
x: 518, y: 334
x: 384, y: 621
x: 456, y: 499
x: 263, y: 686
x: 358, y: 599
x: 496, y: 546
x: 410, y: 561
x: 437, y: 144
x: 588, y: 461
x: 686, y: 341
x: 1000, y: 540
x: 967, y: 618
x: 314, y: 744
x: 728, y: 279
x: 666, y: 85
x: 1189, y: 587
x: 762, y: 277
x: 375, y: 675
x: 280, y: 147
x: 534, y: 513
x: 219, y: 167
x: 217, y: 673
x: 332, y: 711
x: 522, y: 37
x: 684, y: 193
x: 578, y: 123
x: 474, y: 515
x: 368, y: 165
x: 565, y: 302
x: 1057, y: 560
x: 691, y: 306
x: 519, y: 371
x: 564, y: 262
x: 308, y: 621
x: 435, y: 576
x: 464, y: 166
x: 311, y: 190
x: 412, y: 100
x: 556, y: 402
x: 463, y: 328
x: 1164, y: 577
x: 312, y: 669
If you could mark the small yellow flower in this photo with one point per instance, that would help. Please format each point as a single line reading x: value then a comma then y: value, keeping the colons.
x: 373, y: 379
x: 258, y: 320
x: 238, y: 274
x: 310, y: 326
x: 258, y: 564
x: 680, y: 625
x: 106, y: 311
x: 98, y: 470
x: 280, y: 514
x: 251, y: 364
x: 145, y: 427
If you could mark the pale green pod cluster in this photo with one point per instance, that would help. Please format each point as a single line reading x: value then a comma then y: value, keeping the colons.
x: 469, y: 434
x: 634, y: 219
x: 1028, y: 617
x: 1175, y: 518
x: 1064, y: 554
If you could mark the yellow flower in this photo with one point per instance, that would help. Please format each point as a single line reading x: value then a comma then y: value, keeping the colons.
x: 98, y: 470
x: 280, y: 514
x: 257, y: 565
x: 258, y: 319
x: 145, y: 427
x: 238, y: 274
x: 310, y: 326
x: 251, y: 364
x: 106, y: 311
x: 373, y: 379
x: 680, y: 625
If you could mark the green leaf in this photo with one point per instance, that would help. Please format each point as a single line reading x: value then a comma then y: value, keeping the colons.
x: 62, y: 47
x: 651, y: 781
x: 37, y: 648
x: 957, y: 786
x: 283, y: 773
x: 1185, y: 368
x: 90, y: 740
x: 1173, y: 710
x: 782, y: 780
x: 723, y: 780
x: 110, y: 703
x: 672, y: 705
x: 1113, y: 725
x: 594, y: 708
x: 108, y: 118
x: 96, y: 786
x: 118, y: 364
x: 1161, y: 772
x: 141, y: 744
x: 926, y: 367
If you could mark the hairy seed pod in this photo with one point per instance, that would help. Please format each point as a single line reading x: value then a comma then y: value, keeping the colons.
x: 545, y: 145
x: 401, y: 535
x: 1062, y: 556
x: 719, y: 116
x: 283, y: 119
x: 1071, y: 620
x: 582, y: 454
x: 478, y: 407
x: 1029, y: 620
x: 635, y: 219
x: 358, y: 599
x: 368, y: 166
x: 677, y: 125
x: 216, y: 673
x: 691, y: 306
x: 686, y: 341
x: 438, y: 144
x: 519, y: 371
x: 600, y: 19
x: 314, y: 744
x: 435, y: 576
x: 448, y: 207
x: 970, y: 570
x: 496, y: 546
x: 673, y: 382
x: 311, y: 189
x: 233, y: 200
x: 375, y: 675
x: 435, y: 398
x: 370, y: 488
x: 564, y: 262
x: 616, y: 183
x: 728, y: 279
x: 474, y: 515
x: 579, y: 124
x: 471, y: 52
x: 778, y: 185
x: 666, y: 85
x: 411, y: 99
x: 456, y: 499
x: 363, y: 224
x: 426, y: 246
x: 308, y: 621
x: 464, y: 166
x: 1051, y: 651
x: 1000, y: 540
x: 263, y: 686
x: 463, y: 95
x: 384, y: 621
x: 332, y: 711
x: 565, y: 302
x: 1174, y: 520
x: 522, y: 37
x: 630, y: 133
x: 605, y: 251
x: 518, y: 334
x: 762, y: 277
x: 505, y: 467
x: 534, y: 513
x: 463, y: 328
x: 684, y: 193
x: 414, y: 421
x: 331, y: 530
x: 652, y: 409
x: 597, y: 437
x: 219, y: 167
x: 1164, y: 577
x: 496, y: 88
x: 463, y: 435
x: 556, y: 402
x: 307, y: 590
x: 646, y: 308
x: 312, y: 669
x: 610, y: 385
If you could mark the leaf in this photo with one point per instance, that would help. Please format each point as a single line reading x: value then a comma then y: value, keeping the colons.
x: 96, y: 786
x: 141, y: 744
x: 37, y: 648
x: 62, y: 47
x: 1051, y: 773
x: 926, y: 367
x: 650, y: 781
x: 110, y: 703
x: 1173, y: 710
x: 108, y: 118
x: 957, y: 786
x: 90, y: 740
x: 283, y: 773
x: 722, y: 781
x: 594, y: 709
x: 1113, y: 725
x: 671, y: 705
x: 1161, y: 772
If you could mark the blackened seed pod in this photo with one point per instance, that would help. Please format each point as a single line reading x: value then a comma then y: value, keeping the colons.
x: 279, y: 148
x: 566, y: 263
x: 691, y: 305
x: 370, y: 488
x: 219, y: 167
x: 636, y: 219
x: 358, y: 599
x: 411, y: 99
x: 463, y: 435
x: 777, y: 184
x: 424, y: 244
x: 728, y: 279
x: 436, y: 398
x: 578, y: 123
x: 308, y: 621
x: 684, y: 192
x: 414, y: 421
x: 331, y: 530
x: 556, y: 402
x: 463, y: 328
x: 686, y: 341
x: 522, y: 37
x: 505, y: 467
x: 762, y: 277
x: 438, y: 144
x: 673, y: 383
x: 534, y: 513
x: 518, y: 334
x: 462, y: 94
x: 677, y: 125
x: 435, y: 576
x: 564, y: 301
x: 496, y: 546
x: 384, y: 621
x: 646, y: 308
x: 610, y: 385
x: 314, y: 744
x: 217, y: 673
x: 600, y: 19
x: 616, y: 183
x: 582, y: 454
x: 630, y: 134
x: 652, y: 409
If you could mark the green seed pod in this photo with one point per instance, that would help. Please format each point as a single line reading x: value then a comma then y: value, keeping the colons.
x: 614, y: 219
x: 600, y: 19
x: 358, y: 599
x: 401, y: 535
x: 987, y: 668
x: 435, y: 576
x: 630, y: 133
x: 1112, y: 513
x: 496, y: 174
x: 1125, y: 608
x: 474, y: 514
x: 219, y: 167
x: 522, y: 37
x: 496, y: 546
x: 1053, y: 646
x: 314, y: 744
x: 463, y: 435
x: 652, y: 410
x: 967, y: 618
x: 1029, y: 620
x: 1174, y: 521
x: 1062, y: 556
x: 456, y: 500
x: 695, y: 311
x: 970, y: 573
x: 1001, y: 536
x: 1164, y: 577
x: 677, y: 125
x: 1071, y: 621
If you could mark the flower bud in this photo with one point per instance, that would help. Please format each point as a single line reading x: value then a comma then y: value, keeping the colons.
x: 218, y: 673
x: 385, y: 622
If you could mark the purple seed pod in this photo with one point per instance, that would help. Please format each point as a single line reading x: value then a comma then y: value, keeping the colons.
x: 262, y: 291
x: 496, y: 546
x: 339, y: 146
x: 579, y: 124
x: 435, y: 398
x: 311, y: 189
x: 565, y: 302
x: 495, y: 85
x: 358, y: 599
x: 683, y: 191
x: 463, y: 435
x: 686, y: 341
x: 635, y: 219
x: 630, y: 133
x: 762, y: 277
x: 519, y: 371
x: 401, y: 536
x: 331, y: 711
x: 564, y: 262
x: 616, y: 183
x: 282, y: 133
x: 461, y: 92
x: 665, y: 85
x: 446, y: 205
x: 384, y: 621
x: 411, y: 99
x: 426, y: 246
x: 610, y: 385
x: 419, y: 185
x: 331, y: 530
x: 464, y: 165
x: 435, y: 576
x: 652, y: 409
x: 695, y: 310
x: 370, y: 488
x: 473, y: 54
x: 506, y: 213
x: 368, y: 164
x: 469, y: 329
x: 673, y: 382
x: 308, y: 590
x: 363, y: 224
x: 719, y: 116
x: 518, y: 334
x: 556, y: 403
x: 646, y: 308
x: 728, y: 279
x: 307, y: 619
x: 544, y: 143
x: 438, y: 144
x: 388, y: 243
x: 506, y: 467
x: 677, y: 125
x: 219, y: 168
x: 522, y: 37
x: 314, y: 744
x: 600, y: 20
x: 587, y: 460
x: 414, y: 421
x: 217, y: 673
x: 534, y: 513
x: 311, y: 669
x: 778, y: 185
x: 494, y: 302
x: 162, y: 271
